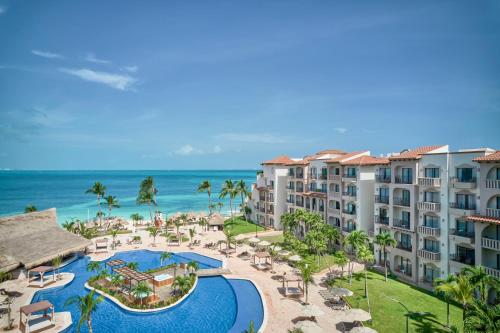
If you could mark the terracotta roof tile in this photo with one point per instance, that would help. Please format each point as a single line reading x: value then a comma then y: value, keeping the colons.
x: 345, y: 156
x: 280, y: 160
x: 479, y: 218
x: 304, y: 161
x: 366, y: 160
x: 493, y: 157
x: 330, y: 151
x: 414, y: 154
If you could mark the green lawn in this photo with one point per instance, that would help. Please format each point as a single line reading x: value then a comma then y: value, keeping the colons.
x: 389, y: 316
x: 239, y: 226
x: 273, y: 239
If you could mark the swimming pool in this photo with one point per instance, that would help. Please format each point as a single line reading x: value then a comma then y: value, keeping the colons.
x: 216, y: 305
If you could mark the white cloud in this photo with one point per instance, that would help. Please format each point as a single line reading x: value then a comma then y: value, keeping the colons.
x: 116, y: 81
x: 131, y: 69
x: 187, y: 150
x: 217, y: 149
x: 90, y: 57
x: 340, y: 130
x: 253, y: 137
x: 46, y: 54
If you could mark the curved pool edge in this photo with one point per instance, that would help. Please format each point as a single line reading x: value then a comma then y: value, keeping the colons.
x: 48, y: 287
x: 262, y: 299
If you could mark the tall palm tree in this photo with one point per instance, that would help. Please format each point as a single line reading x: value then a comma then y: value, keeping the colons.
x: 98, y: 190
x: 463, y: 292
x: 341, y: 260
x: 114, y: 234
x: 229, y: 239
x: 355, y: 240
x: 306, y: 273
x: 147, y: 198
x: 111, y: 202
x: 153, y: 232
x: 192, y: 232
x: 366, y: 256
x: 481, y: 280
x: 87, y: 305
x: 57, y: 262
x: 228, y: 189
x: 482, y: 317
x: 220, y: 205
x: 178, y: 224
x: 242, y: 189
x: 93, y: 266
x: 136, y: 217
x: 205, y: 186
x: 193, y: 266
x: 165, y: 256
x: 182, y: 284
x: 148, y: 185
x: 141, y: 290
x: 30, y: 209
x: 385, y: 240
x: 445, y: 287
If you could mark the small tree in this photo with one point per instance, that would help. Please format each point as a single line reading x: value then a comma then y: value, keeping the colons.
x: 153, y: 232
x: 192, y: 267
x: 30, y: 209
x: 192, y: 232
x: 56, y: 262
x: 93, y: 266
x: 87, y: 305
x: 306, y: 274
x: 141, y: 290
x: 165, y: 256
x: 341, y: 260
x: 385, y: 240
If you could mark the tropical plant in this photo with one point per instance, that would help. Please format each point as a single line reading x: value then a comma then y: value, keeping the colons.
x: 133, y: 265
x: 116, y: 280
x: 114, y: 234
x: 463, y: 292
x: 154, y: 232
x: 93, y: 266
x: 247, y: 211
x: 193, y: 266
x: 136, y: 217
x: 98, y: 190
x: 165, y: 256
x: 251, y: 328
x: 147, y: 198
x: 306, y: 272
x: 220, y: 205
x: 481, y: 280
x: 182, y: 284
x: 228, y: 189
x: 141, y: 290
x: 87, y: 305
x: 111, y: 202
x: 69, y: 225
x: 203, y: 223
x: 178, y: 224
x: 482, y: 317
x: 228, y: 233
x: 355, y: 240
x: 366, y: 256
x: 340, y: 259
x: 4, y: 276
x: 445, y: 286
x: 385, y: 240
x: 205, y: 186
x: 192, y: 232
x: 242, y: 189
x: 57, y: 262
x: 30, y: 209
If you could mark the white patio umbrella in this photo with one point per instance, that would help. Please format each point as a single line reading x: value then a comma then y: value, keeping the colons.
x: 284, y: 253
x: 254, y: 240
x: 309, y: 327
x: 312, y: 310
x: 341, y: 292
x: 352, y: 315
x: 295, y: 258
x: 263, y: 243
x: 362, y: 329
x: 276, y: 247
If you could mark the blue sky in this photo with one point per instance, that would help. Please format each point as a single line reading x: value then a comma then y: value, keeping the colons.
x: 227, y: 84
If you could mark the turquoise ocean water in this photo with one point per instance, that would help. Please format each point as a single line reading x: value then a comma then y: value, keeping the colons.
x: 65, y: 190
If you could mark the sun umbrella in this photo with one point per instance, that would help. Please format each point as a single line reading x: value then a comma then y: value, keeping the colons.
x: 276, y: 248
x: 254, y: 240
x: 309, y: 327
x: 263, y: 243
x: 295, y: 257
x: 312, y: 310
x: 362, y: 329
x: 356, y: 315
x: 341, y: 292
x: 284, y: 253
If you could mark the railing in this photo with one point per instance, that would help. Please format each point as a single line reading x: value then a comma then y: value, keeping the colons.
x: 382, y: 199
x: 290, y: 187
x: 403, y: 270
x: 492, y: 244
x: 401, y: 224
x: 347, y: 175
x: 429, y: 206
x: 463, y: 259
x: 334, y: 211
x: 492, y: 271
x: 382, y: 179
x: 402, y: 180
x: 429, y: 255
x: 322, y: 177
x: 493, y: 212
x: 381, y: 219
x: 469, y: 206
x: 463, y: 180
x: 404, y: 247
x: 262, y: 198
x: 335, y: 194
x: 313, y: 176
x: 319, y: 190
x: 336, y: 178
x: 270, y: 211
x: 290, y: 201
x: 349, y: 228
x: 349, y: 194
x: 492, y: 183
x: 429, y: 182
x: 299, y: 204
x: 429, y: 231
x: 299, y: 189
x: 299, y: 176
x: 349, y: 212
x: 399, y: 201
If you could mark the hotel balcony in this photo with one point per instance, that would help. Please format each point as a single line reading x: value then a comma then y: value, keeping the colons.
x: 403, y: 270
x: 333, y: 194
x: 299, y: 189
x: 492, y: 271
x: 460, y: 262
x: 270, y: 199
x: 290, y: 188
x: 462, y: 209
x: 493, y: 212
x: 262, y: 209
x: 381, y: 219
x: 491, y: 244
x: 297, y: 176
x: 401, y: 224
x: 384, y: 199
x: 429, y: 255
x: 318, y: 190
x: 463, y: 183
x: 349, y: 195
x: 348, y: 178
x: 348, y: 228
x: 492, y: 183
x: 322, y: 177
x: 313, y: 176
x: 429, y: 231
x: 335, y: 178
x: 462, y: 237
x: 407, y: 248
x: 402, y: 180
x: 334, y: 211
x: 429, y: 206
x: 270, y: 211
x: 289, y: 201
x: 399, y: 201
x: 383, y: 179
x: 299, y: 204
x: 349, y: 213
x: 429, y: 182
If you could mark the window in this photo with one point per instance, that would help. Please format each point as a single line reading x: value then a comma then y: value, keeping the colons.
x: 405, y: 266
x: 351, y: 172
x: 406, y: 175
x: 337, y: 171
x: 337, y: 188
x: 405, y: 218
x: 430, y: 273
x: 465, y: 255
x: 431, y: 221
x: 498, y: 202
x: 383, y: 213
x: 351, y: 190
x: 291, y: 172
x: 313, y: 186
x: 465, y: 228
x: 323, y: 188
x: 464, y: 174
x: 431, y: 245
x: 406, y: 197
x: 465, y: 201
x: 324, y: 172
x: 431, y: 197
x: 384, y: 192
x: 337, y: 204
x: 497, y: 174
x: 432, y: 172
x: 384, y: 173
x: 405, y: 241
x: 351, y: 208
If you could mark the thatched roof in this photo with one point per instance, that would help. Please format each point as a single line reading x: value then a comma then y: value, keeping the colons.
x: 35, y: 238
x: 216, y: 219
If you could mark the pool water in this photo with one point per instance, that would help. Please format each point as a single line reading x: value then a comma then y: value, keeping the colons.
x: 216, y: 305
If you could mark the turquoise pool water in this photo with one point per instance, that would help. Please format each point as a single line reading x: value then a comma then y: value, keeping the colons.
x: 216, y: 305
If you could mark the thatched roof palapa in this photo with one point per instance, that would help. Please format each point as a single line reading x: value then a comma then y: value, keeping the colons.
x: 32, y: 239
x: 216, y: 219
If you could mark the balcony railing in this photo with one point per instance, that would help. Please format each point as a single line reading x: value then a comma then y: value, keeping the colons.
x: 290, y: 201
x: 319, y: 190
x: 349, y: 212
x: 429, y: 182
x: 429, y: 231
x: 493, y: 212
x: 463, y: 206
x: 336, y: 178
x: 492, y: 183
x: 290, y: 187
x: 381, y: 219
x: 322, y: 176
x: 401, y: 224
x: 299, y: 189
x: 350, y: 228
x: 429, y: 206
x: 299, y: 176
x: 383, y: 179
x: 463, y: 183
x: 334, y: 211
x: 299, y: 204
x: 334, y: 194
x: 465, y: 234
x: 404, y: 247
x: 463, y: 259
x: 493, y: 272
x: 382, y: 199
x: 492, y: 244
x: 403, y: 180
x: 349, y: 194
x: 399, y: 201
x: 403, y: 270
x: 313, y: 176
x: 429, y: 255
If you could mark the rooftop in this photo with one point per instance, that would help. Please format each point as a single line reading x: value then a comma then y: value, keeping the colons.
x: 414, y: 154
x: 280, y: 160
x: 494, y: 157
x: 366, y: 160
x: 347, y: 156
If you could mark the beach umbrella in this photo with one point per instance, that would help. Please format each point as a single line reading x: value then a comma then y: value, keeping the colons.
x: 295, y: 258
x: 263, y: 243
x: 352, y: 315
x: 309, y: 327
x: 276, y: 247
x: 284, y: 253
x: 254, y: 240
x: 362, y: 329
x: 341, y: 292
x: 312, y: 310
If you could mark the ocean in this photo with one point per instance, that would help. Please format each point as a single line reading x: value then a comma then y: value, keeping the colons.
x: 65, y: 190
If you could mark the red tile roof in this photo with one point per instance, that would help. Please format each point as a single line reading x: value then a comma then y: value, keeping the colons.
x: 479, y: 218
x: 330, y: 151
x: 414, y: 154
x: 345, y: 156
x: 493, y: 157
x: 280, y: 160
x: 304, y: 161
x: 366, y: 160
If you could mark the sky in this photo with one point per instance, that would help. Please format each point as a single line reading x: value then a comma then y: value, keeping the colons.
x: 228, y: 84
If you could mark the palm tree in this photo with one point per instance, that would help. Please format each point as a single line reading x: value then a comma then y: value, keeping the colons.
x: 133, y: 265
x: 306, y: 274
x: 203, y: 223
x: 385, y: 240
x: 136, y: 217
x: 99, y: 190
x: 242, y: 189
x: 366, y: 256
x: 229, y: 239
x: 463, y: 292
x: 56, y: 262
x: 111, y: 202
x: 30, y: 209
x: 246, y: 212
x: 205, y: 186
x: 116, y: 280
x: 153, y: 232
x: 147, y: 198
x: 114, y: 234
x: 482, y: 317
x: 341, y: 260
x: 193, y: 266
x: 251, y: 328
x: 178, y: 224
x: 182, y: 284
x: 165, y: 256
x: 220, y: 205
x: 87, y: 305
x: 141, y: 290
x: 228, y: 189
x: 355, y: 240
x: 69, y: 225
x: 445, y: 287
x: 93, y: 266
x: 192, y: 232
x: 481, y: 280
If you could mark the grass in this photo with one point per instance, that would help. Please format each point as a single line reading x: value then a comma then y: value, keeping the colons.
x: 239, y: 226
x: 273, y: 239
x: 389, y: 316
